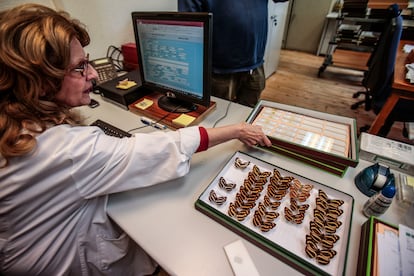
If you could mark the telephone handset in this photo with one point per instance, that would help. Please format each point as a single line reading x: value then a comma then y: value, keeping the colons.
x: 105, y: 68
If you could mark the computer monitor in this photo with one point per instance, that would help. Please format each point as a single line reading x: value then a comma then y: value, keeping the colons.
x: 174, y: 54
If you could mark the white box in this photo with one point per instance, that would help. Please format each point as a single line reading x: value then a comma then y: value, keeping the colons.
x: 397, y: 155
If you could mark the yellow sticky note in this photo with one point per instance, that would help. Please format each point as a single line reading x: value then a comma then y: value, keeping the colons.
x: 126, y: 84
x: 183, y: 120
x: 410, y: 181
x: 144, y: 104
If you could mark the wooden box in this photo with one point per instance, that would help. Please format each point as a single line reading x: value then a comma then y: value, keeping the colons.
x: 323, y: 140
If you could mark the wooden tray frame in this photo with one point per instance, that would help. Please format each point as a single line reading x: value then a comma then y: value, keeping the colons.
x: 352, y: 160
x: 299, y: 261
x: 367, y: 258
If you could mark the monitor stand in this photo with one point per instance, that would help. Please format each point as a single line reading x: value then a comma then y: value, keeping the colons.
x: 174, y: 105
x: 154, y: 112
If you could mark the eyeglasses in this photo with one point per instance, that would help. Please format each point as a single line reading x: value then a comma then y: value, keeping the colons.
x: 82, y: 67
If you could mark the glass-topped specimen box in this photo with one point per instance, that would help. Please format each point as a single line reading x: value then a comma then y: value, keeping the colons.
x: 315, y: 136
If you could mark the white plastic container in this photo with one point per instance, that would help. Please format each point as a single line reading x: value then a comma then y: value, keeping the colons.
x: 377, y: 204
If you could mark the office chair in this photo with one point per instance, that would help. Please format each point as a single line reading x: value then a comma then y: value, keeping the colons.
x: 379, y: 76
x: 378, y: 79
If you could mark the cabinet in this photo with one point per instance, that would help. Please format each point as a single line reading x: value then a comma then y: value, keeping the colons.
x: 352, y: 43
x: 276, y: 24
x: 329, y: 30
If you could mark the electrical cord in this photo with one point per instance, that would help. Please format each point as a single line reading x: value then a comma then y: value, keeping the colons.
x: 224, y: 116
x: 156, y: 122
x: 229, y: 92
x: 137, y: 128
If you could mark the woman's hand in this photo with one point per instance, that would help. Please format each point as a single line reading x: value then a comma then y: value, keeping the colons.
x: 252, y: 135
x: 248, y: 134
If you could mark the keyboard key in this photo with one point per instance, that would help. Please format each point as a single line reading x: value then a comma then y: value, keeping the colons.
x: 111, y: 130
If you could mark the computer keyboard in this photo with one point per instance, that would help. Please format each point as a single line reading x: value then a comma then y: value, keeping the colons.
x: 111, y: 130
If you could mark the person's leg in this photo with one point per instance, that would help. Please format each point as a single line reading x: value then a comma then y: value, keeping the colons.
x: 251, y: 86
x: 222, y: 86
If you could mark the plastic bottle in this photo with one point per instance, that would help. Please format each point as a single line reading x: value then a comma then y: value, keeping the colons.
x: 378, y: 203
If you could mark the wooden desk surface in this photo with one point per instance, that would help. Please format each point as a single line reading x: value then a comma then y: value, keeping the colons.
x: 402, y: 89
x: 384, y: 4
x: 399, y: 71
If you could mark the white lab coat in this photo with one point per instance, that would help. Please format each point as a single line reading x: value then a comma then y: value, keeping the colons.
x: 53, y: 201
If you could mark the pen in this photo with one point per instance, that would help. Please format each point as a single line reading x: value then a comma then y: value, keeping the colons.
x: 152, y: 123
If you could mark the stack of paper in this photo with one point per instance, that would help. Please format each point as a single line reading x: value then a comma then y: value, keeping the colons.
x: 385, y: 249
x: 410, y: 72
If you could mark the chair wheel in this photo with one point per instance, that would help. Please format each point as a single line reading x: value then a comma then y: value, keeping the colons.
x: 354, y: 106
x: 356, y: 95
x: 321, y: 70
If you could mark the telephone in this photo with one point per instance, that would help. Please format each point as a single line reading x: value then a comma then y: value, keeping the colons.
x: 105, y: 68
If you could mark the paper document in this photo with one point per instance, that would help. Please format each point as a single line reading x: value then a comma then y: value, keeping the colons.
x: 407, y: 48
x: 388, y: 262
x: 406, y: 239
x: 410, y: 72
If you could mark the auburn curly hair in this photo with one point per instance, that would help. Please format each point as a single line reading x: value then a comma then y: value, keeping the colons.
x: 34, y: 57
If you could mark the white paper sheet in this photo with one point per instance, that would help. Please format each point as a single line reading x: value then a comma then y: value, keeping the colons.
x: 406, y: 239
x: 388, y: 253
x: 407, y: 48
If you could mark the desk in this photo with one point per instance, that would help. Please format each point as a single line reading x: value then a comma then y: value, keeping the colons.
x: 164, y: 221
x: 401, y: 89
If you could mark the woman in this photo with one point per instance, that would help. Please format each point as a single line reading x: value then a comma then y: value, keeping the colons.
x: 55, y: 174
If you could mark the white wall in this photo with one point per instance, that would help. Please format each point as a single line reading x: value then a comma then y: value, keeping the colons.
x: 109, y: 22
x: 305, y: 24
x: 6, y: 4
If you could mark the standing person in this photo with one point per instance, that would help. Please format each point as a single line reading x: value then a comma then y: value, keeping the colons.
x: 239, y: 42
x: 55, y: 174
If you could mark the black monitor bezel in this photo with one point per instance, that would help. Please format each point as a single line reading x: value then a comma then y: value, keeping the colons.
x: 206, y: 19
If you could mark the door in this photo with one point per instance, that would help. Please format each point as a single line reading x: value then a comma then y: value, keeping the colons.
x: 306, y: 22
x: 277, y: 17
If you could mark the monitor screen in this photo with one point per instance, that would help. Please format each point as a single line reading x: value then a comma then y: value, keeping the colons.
x: 174, y: 53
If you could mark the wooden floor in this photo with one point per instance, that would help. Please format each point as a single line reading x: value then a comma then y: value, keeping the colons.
x: 296, y: 82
